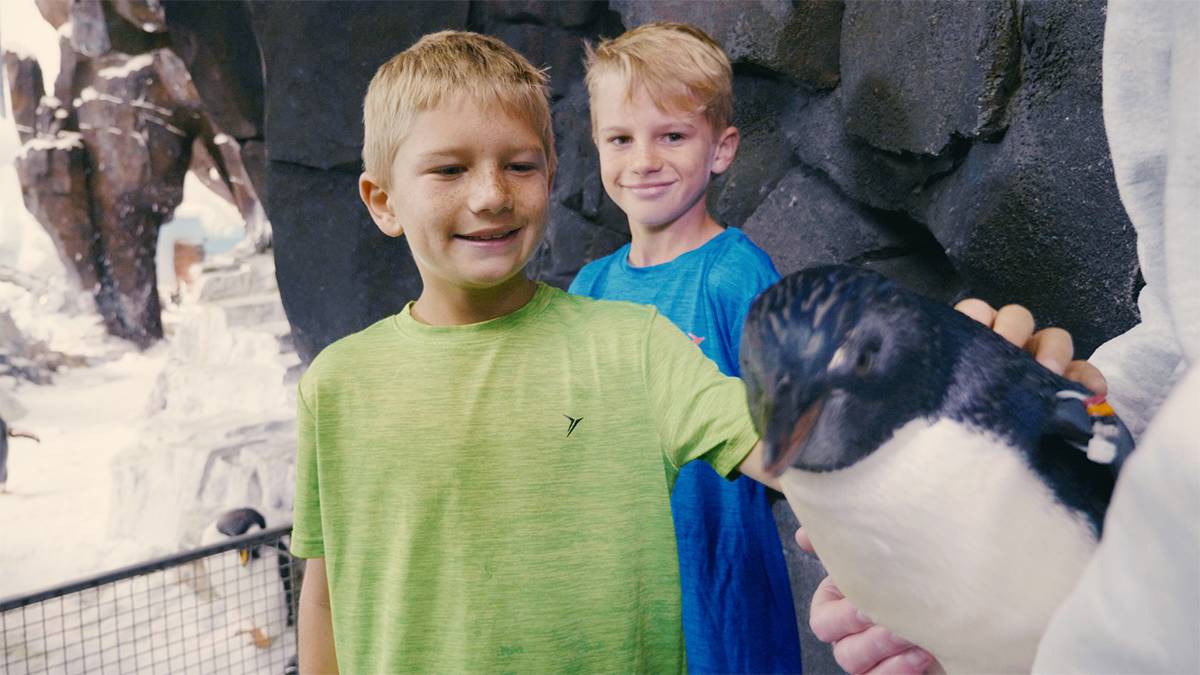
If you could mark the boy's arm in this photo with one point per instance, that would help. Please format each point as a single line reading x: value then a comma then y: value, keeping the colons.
x: 317, y: 654
x: 752, y: 466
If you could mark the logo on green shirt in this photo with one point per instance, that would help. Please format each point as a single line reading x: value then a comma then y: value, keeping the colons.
x: 574, y: 423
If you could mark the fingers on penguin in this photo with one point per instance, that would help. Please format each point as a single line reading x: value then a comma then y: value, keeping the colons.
x: 952, y: 486
x: 255, y: 581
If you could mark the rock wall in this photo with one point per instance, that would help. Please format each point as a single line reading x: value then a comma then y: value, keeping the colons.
x: 958, y: 147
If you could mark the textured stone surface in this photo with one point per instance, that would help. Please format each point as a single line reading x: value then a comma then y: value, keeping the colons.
x: 53, y: 176
x: 915, y: 74
x: 320, y: 125
x: 805, y: 222
x: 337, y: 272
x: 565, y: 13
x: 814, y: 126
x: 25, y: 84
x: 216, y: 42
x: 1036, y: 218
x: 796, y: 39
x: 147, y: 15
x: 761, y: 159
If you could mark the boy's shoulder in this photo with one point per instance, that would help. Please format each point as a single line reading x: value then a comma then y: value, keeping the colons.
x: 597, y: 268
x: 350, y: 351
x: 586, y: 309
x: 739, y: 262
x: 739, y: 250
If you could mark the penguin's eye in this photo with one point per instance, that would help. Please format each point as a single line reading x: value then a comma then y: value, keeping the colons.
x: 866, y: 359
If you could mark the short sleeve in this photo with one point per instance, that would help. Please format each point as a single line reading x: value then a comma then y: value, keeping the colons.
x: 699, y: 413
x: 307, y: 535
x: 737, y: 280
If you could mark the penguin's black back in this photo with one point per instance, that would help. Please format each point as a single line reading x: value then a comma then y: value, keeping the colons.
x: 1002, y: 389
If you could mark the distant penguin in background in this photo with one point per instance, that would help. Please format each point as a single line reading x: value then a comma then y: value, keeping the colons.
x: 255, y: 582
x: 952, y: 486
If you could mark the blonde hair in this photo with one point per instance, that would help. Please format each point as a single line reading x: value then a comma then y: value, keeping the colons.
x: 679, y: 67
x: 440, y: 64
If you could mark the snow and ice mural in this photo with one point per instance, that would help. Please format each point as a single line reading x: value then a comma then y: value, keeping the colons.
x: 104, y: 154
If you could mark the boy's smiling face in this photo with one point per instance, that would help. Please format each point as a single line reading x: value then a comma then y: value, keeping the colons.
x: 469, y: 188
x: 655, y: 164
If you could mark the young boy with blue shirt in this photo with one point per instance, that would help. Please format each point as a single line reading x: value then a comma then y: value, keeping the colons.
x: 662, y: 107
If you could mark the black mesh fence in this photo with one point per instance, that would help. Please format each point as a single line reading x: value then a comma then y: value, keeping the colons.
x: 225, y: 608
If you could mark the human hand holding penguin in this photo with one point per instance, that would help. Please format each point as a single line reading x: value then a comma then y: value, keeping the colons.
x: 931, y: 377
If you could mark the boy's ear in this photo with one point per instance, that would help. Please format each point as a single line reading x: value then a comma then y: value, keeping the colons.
x: 379, y: 205
x: 726, y: 149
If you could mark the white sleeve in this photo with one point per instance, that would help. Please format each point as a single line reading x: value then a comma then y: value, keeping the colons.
x: 1136, y: 608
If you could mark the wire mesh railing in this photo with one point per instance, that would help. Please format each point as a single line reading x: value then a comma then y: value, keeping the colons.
x: 226, y: 608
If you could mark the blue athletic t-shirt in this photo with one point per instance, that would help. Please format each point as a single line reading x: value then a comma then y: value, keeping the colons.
x: 738, y: 615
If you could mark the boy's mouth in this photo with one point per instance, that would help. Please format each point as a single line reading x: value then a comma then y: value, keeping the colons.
x: 649, y: 189
x: 490, y: 235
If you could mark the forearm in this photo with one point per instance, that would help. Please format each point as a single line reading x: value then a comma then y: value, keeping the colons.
x: 317, y: 653
x: 752, y: 466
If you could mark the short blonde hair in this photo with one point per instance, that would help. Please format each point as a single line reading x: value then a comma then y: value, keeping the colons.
x: 679, y: 66
x: 440, y: 64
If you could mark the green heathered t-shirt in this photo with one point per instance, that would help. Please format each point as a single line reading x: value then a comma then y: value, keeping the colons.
x: 495, y: 497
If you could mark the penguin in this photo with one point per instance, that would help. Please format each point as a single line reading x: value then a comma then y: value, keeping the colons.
x: 7, y: 432
x: 255, y: 582
x: 951, y: 485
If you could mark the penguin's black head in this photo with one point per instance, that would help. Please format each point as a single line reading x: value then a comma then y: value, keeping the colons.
x: 824, y: 353
x: 237, y: 522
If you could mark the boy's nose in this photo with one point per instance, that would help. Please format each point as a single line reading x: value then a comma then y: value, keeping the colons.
x: 645, y: 159
x: 490, y: 193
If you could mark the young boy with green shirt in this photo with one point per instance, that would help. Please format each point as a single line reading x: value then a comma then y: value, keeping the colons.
x: 480, y: 478
x: 662, y: 120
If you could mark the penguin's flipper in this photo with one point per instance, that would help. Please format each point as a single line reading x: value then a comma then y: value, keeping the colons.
x: 1089, y: 424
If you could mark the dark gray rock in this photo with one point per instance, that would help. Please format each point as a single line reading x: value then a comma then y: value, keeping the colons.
x: 1036, y: 218
x: 337, y: 272
x: 806, y: 222
x: 761, y: 159
x: 577, y: 184
x: 555, y: 49
x: 330, y: 74
x: 217, y: 44
x: 814, y: 127
x: 796, y: 39
x: 917, y: 74
x: 571, y: 241
x: 565, y: 13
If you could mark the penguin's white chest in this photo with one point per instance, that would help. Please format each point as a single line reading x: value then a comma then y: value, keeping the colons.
x: 946, y: 536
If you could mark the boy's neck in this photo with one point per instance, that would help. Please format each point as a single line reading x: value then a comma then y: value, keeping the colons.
x: 664, y: 243
x: 456, y: 306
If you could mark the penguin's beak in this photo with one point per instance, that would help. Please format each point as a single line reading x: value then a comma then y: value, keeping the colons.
x: 244, y: 555
x: 781, y: 448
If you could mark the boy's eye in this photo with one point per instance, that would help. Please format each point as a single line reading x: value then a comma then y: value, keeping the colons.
x: 448, y: 170
x: 523, y: 167
x: 619, y: 140
x: 674, y: 137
